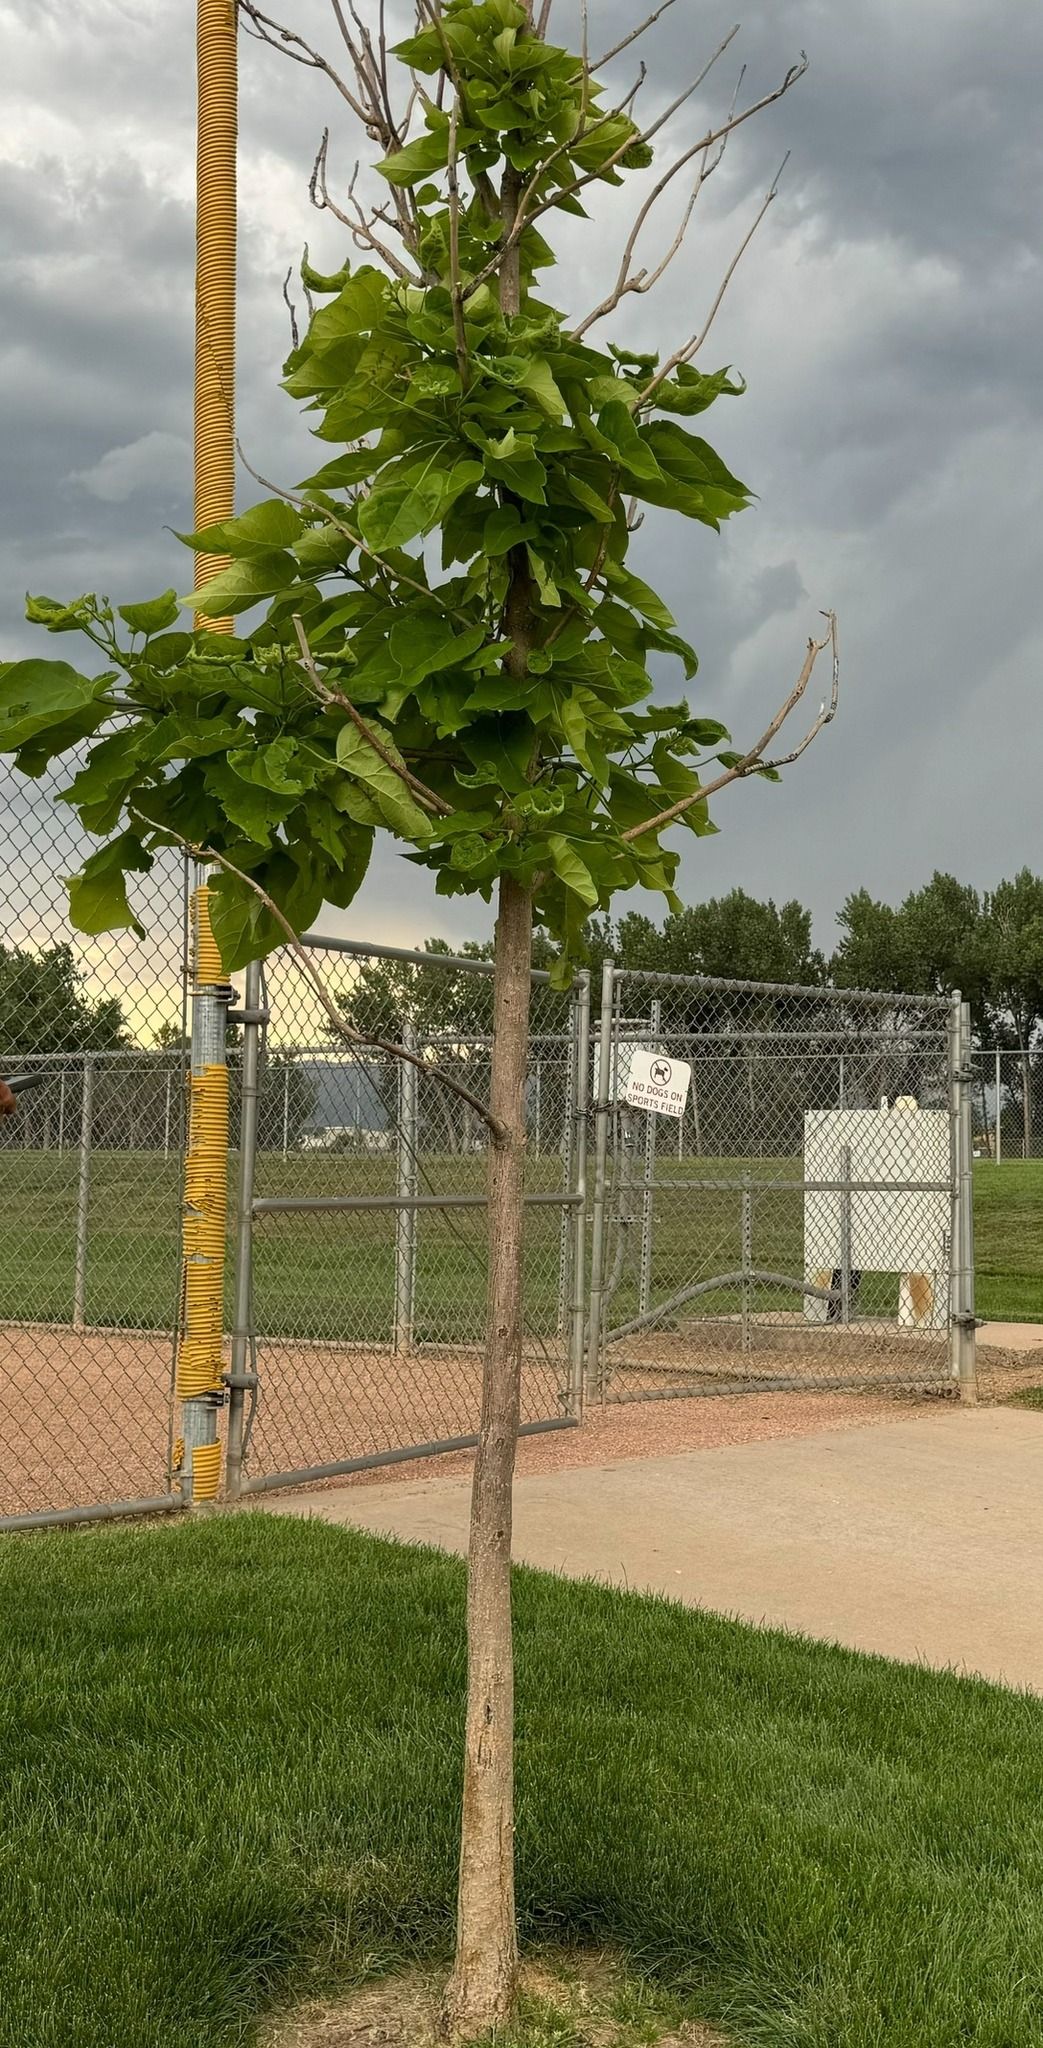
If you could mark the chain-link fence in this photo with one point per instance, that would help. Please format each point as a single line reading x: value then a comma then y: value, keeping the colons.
x: 782, y: 1194
x: 1008, y: 1103
x: 90, y: 1172
x: 797, y: 1215
x: 363, y: 1313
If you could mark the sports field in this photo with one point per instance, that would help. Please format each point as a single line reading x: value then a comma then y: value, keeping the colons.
x: 333, y: 1275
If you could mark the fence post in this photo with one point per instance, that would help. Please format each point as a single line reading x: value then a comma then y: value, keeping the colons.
x: 747, y: 1256
x: 61, y: 1114
x: 166, y: 1119
x: 242, y: 1379
x: 644, y: 1291
x: 83, y: 1197
x: 997, y: 1152
x: 845, y: 1234
x: 602, y: 1110
x: 580, y: 1074
x: 199, y: 1375
x: 962, y: 1345
x: 406, y: 1217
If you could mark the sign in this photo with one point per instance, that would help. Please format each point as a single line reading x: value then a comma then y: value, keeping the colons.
x: 657, y: 1084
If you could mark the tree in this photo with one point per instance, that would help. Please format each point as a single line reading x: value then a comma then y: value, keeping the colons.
x: 493, y: 715
x: 733, y: 938
x: 1013, y: 976
x: 45, y: 1009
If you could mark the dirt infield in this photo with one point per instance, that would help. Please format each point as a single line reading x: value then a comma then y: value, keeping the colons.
x: 84, y: 1417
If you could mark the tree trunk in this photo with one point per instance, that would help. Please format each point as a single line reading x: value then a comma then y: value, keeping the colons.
x: 481, y: 1993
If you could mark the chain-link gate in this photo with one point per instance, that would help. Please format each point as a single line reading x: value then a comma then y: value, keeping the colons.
x: 796, y: 1212
x: 90, y: 1179
x: 362, y: 1231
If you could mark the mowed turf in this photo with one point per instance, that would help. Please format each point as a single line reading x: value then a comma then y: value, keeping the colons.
x: 229, y: 1766
x: 333, y: 1276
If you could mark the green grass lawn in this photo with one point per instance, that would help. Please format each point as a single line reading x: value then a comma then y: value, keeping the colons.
x: 229, y: 1771
x: 334, y: 1275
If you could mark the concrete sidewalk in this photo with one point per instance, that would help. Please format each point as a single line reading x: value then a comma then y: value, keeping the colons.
x: 920, y: 1539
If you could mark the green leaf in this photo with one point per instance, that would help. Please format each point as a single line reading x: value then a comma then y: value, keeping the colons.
x: 641, y: 595
x: 98, y: 894
x: 572, y: 869
x: 253, y: 810
x: 272, y: 524
x: 244, y: 584
x: 396, y: 513
x: 397, y: 807
x: 615, y: 422
x: 590, y: 499
x: 539, y: 380
x: 153, y: 616
x: 428, y: 153
x: 689, y: 392
x: 35, y: 695
x: 505, y: 528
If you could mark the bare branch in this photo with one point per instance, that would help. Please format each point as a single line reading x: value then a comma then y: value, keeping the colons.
x: 643, y: 280
x: 267, y: 30
x: 527, y: 213
x: 755, y: 763
x: 341, y: 526
x: 359, y: 228
x: 291, y: 308
x: 626, y: 41
x: 691, y: 348
x: 541, y: 25
x: 429, y: 798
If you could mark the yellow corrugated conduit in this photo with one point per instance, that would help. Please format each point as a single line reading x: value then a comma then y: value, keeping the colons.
x: 199, y: 1372
x: 215, y: 279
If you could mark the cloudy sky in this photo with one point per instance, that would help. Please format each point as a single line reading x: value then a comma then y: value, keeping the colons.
x: 887, y: 319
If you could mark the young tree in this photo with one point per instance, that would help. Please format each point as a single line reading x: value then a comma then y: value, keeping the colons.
x: 490, y: 707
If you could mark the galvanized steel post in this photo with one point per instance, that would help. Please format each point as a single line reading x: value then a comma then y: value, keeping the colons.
x: 83, y: 1197
x: 242, y: 1379
x: 962, y: 1326
x: 603, y: 1111
x: 577, y: 1184
x: 408, y: 1186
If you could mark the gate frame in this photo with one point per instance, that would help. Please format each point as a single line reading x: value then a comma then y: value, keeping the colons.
x: 961, y: 1321
x: 243, y: 1377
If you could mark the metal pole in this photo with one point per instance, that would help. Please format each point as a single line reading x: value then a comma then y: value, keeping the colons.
x: 998, y: 1149
x: 61, y: 1114
x: 568, y: 1149
x: 242, y: 1378
x: 968, y: 1363
x: 83, y: 1196
x: 199, y: 1376
x: 747, y: 1256
x: 286, y: 1110
x: 166, y: 1118
x: 578, y: 1185
x: 644, y: 1291
x: 845, y: 1235
x: 962, y: 1346
x: 603, y: 1111
x: 406, y: 1219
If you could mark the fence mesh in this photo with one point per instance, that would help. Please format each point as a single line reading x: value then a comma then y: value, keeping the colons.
x: 1007, y: 1103
x: 370, y: 1318
x: 89, y: 1174
x: 793, y: 1226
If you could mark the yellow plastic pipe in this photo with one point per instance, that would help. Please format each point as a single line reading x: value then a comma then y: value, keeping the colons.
x: 215, y: 278
x: 200, y: 1365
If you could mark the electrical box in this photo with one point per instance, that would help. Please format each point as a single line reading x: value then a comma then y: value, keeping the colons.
x: 903, y: 1226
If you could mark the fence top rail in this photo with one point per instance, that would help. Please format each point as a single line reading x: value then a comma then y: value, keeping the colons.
x: 808, y: 991
x: 364, y: 949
